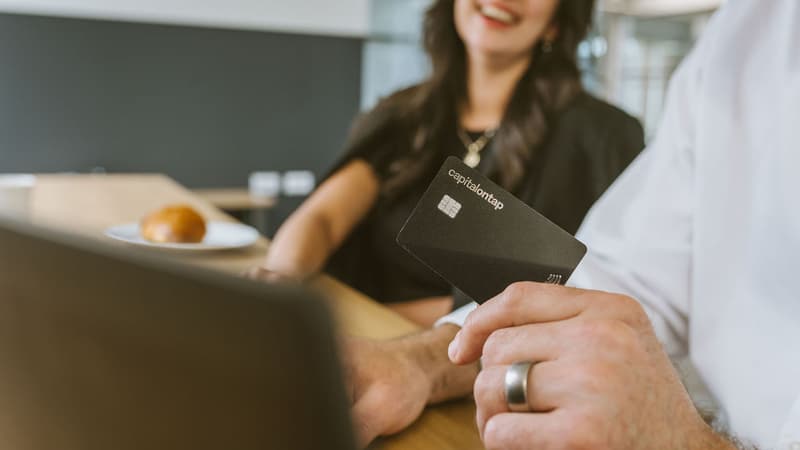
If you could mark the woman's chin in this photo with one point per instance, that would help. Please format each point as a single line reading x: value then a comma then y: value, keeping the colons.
x: 496, y: 51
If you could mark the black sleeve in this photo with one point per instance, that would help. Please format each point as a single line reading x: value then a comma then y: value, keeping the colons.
x: 373, y: 138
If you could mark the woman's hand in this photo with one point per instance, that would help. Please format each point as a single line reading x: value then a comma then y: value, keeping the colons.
x: 261, y: 273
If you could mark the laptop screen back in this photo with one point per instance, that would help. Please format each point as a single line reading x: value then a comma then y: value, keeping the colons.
x: 100, y: 349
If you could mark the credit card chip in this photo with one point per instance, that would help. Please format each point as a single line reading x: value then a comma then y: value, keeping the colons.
x: 449, y: 206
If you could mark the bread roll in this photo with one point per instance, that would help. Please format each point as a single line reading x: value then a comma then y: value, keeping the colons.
x: 174, y: 224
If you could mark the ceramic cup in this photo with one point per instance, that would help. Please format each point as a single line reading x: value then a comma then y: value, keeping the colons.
x: 15, y: 195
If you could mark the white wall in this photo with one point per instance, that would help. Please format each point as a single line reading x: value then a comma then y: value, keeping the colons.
x: 395, y: 59
x: 330, y: 17
x: 659, y: 7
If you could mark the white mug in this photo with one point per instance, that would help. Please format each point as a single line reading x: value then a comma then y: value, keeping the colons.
x: 265, y: 184
x: 15, y: 195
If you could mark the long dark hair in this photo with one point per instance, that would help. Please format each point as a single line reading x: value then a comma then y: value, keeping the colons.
x: 431, y: 109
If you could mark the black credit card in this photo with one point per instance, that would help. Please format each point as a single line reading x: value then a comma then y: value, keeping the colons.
x: 480, y: 238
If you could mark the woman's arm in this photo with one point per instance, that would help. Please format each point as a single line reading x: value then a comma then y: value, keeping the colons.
x: 312, y: 233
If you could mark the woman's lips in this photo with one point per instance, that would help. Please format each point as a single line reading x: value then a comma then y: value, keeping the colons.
x: 497, y: 14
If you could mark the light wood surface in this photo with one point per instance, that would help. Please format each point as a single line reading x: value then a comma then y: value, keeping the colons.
x: 88, y: 204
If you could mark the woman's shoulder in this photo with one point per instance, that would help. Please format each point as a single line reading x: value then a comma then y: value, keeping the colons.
x: 378, y: 134
x: 591, y: 112
x: 597, y: 128
x: 386, y: 115
x: 389, y: 114
x: 398, y: 104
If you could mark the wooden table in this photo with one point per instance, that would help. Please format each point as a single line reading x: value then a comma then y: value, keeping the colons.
x: 88, y: 204
x: 235, y: 199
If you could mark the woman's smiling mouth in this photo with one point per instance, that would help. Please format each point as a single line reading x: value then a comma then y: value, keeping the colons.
x: 497, y: 14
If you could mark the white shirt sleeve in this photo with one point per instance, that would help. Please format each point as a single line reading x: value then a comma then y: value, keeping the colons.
x: 458, y: 316
x: 639, y: 234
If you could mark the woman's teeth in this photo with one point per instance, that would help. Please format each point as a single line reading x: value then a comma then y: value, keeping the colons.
x: 497, y: 14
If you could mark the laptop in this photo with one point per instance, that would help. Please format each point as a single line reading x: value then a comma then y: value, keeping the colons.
x: 106, y: 348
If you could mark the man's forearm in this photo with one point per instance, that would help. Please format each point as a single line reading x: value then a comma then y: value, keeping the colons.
x: 429, y: 351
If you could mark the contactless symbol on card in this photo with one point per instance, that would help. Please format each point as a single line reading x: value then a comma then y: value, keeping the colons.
x: 554, y: 278
x: 449, y: 206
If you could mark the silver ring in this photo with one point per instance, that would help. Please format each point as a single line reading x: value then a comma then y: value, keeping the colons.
x: 516, y: 386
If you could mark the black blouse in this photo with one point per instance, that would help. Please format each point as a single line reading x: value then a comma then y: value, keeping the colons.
x: 590, y: 145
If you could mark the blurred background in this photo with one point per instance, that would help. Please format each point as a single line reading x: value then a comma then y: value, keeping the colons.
x: 257, y: 93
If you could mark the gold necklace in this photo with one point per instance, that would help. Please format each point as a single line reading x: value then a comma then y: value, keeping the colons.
x: 474, y: 148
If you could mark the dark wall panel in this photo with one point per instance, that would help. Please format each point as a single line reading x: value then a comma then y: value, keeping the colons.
x: 205, y: 106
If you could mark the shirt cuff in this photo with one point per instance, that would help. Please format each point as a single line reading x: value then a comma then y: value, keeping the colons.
x: 457, y: 317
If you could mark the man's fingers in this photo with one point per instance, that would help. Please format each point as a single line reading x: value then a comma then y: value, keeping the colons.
x: 534, y: 303
x: 536, y: 342
x: 519, y: 304
x: 525, y: 431
x: 545, y: 392
x: 382, y: 410
x: 368, y: 417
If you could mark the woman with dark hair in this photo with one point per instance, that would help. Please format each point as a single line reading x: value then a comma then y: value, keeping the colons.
x: 505, y: 96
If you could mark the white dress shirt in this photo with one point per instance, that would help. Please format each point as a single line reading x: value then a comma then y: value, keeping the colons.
x: 704, y: 227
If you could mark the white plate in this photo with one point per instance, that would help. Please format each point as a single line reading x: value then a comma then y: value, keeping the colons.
x: 219, y: 236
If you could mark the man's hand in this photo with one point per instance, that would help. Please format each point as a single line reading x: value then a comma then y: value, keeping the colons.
x: 390, y: 382
x: 601, y: 379
x: 387, y: 389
